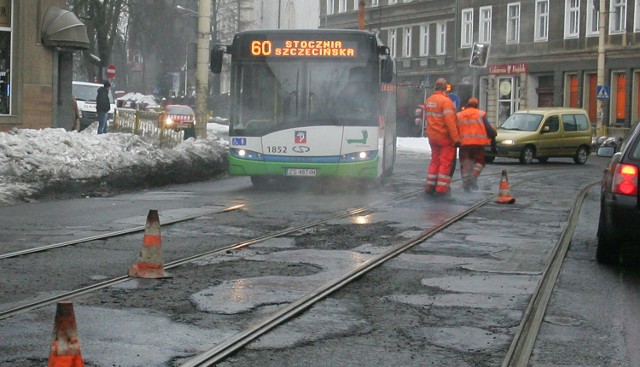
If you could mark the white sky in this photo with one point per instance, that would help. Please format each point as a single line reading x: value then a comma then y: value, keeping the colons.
x: 28, y: 157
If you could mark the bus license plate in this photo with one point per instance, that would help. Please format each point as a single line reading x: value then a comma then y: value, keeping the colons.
x: 306, y: 172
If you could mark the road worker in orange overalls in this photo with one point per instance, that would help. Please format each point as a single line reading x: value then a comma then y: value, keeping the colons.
x: 442, y: 131
x: 475, y: 133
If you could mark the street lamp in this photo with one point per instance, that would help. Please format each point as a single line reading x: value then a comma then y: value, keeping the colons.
x: 180, y: 7
x: 186, y: 64
x: 194, y: 14
x: 202, y: 64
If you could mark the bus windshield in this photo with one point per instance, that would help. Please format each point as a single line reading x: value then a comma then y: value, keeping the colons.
x: 276, y: 95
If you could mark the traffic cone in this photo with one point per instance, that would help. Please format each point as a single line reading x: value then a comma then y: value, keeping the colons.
x: 150, y: 263
x: 65, y: 348
x: 504, y: 192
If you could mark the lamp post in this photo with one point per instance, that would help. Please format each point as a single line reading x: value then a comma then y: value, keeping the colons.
x: 600, y: 131
x: 202, y: 63
x: 194, y: 14
x: 202, y: 67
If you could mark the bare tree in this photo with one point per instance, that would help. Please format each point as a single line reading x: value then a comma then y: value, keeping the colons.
x: 102, y: 19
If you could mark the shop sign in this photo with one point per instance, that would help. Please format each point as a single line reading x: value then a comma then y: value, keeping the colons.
x: 506, y: 69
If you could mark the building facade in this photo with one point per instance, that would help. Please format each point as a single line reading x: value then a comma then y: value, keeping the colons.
x: 541, y: 52
x: 37, y: 41
x: 228, y: 18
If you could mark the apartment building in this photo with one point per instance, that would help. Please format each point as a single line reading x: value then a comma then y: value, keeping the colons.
x: 541, y: 52
x: 37, y: 42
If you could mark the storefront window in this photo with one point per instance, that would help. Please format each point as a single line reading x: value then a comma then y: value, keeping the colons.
x: 508, y: 98
x: 573, y: 90
x: 5, y: 56
x: 621, y: 100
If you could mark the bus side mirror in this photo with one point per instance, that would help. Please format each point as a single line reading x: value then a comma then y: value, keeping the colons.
x: 386, y: 73
x: 386, y: 67
x: 215, y: 59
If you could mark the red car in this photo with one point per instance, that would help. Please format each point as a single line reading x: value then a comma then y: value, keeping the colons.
x: 177, y: 117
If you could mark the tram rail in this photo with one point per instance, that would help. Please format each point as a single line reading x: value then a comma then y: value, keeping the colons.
x: 519, y: 350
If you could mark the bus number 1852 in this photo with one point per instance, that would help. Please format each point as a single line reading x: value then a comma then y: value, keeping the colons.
x: 277, y: 149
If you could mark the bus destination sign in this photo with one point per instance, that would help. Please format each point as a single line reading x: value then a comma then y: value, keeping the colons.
x: 303, y: 48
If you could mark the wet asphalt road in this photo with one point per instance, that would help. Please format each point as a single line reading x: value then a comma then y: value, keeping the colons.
x: 453, y: 301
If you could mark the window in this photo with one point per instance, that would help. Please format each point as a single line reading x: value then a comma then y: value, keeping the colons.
x: 636, y: 16
x: 330, y: 6
x: 406, y: 42
x: 342, y: 6
x: 485, y: 25
x: 593, y: 19
x: 290, y: 11
x: 375, y: 3
x: 542, y: 21
x: 393, y: 40
x: 5, y: 63
x: 393, y: 2
x: 441, y: 40
x: 508, y: 97
x: 569, y: 123
x: 582, y: 123
x: 572, y: 122
x: 618, y: 16
x: 553, y: 122
x: 572, y: 19
x: 466, y: 32
x: 136, y: 57
x: 513, y: 23
x: 424, y: 40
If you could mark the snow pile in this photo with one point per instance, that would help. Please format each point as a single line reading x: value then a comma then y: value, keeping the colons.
x: 139, y: 98
x: 51, y: 161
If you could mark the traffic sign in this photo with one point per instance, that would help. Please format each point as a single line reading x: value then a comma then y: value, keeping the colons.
x: 111, y: 71
x: 602, y: 92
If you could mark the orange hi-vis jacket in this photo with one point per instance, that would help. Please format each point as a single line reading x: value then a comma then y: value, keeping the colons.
x: 471, y: 127
x: 441, y: 118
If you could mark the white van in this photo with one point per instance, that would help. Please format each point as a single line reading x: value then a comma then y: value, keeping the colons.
x: 86, y: 94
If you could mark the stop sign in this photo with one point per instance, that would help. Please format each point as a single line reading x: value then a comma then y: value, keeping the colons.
x: 111, y: 71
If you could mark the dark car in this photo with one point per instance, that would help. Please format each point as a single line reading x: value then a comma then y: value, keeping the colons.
x: 619, y: 224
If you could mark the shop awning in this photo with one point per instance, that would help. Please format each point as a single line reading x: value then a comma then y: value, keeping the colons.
x: 61, y: 28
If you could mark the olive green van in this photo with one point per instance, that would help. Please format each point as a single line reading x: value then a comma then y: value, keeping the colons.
x: 544, y: 133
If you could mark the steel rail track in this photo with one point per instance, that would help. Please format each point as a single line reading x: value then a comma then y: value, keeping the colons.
x: 519, y: 351
x: 238, y: 341
x: 172, y: 264
x: 126, y: 231
x: 112, y: 234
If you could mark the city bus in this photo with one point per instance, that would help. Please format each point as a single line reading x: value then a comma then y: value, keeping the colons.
x: 310, y: 103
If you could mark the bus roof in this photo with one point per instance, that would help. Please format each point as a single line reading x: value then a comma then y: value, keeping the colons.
x: 307, y: 31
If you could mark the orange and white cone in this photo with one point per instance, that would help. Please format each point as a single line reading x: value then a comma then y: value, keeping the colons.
x: 504, y: 191
x: 65, y: 347
x: 150, y: 263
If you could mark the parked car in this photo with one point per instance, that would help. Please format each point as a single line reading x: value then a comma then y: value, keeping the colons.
x: 86, y: 94
x: 543, y: 133
x: 619, y: 223
x: 175, y: 116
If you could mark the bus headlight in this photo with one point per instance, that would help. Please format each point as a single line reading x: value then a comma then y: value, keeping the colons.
x: 359, y: 156
x: 245, y: 154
